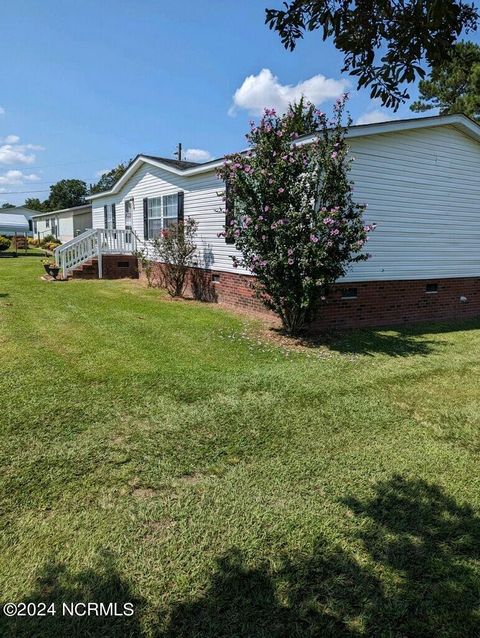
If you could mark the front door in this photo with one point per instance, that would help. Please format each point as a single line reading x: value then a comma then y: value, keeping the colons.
x: 128, y: 220
x: 128, y: 214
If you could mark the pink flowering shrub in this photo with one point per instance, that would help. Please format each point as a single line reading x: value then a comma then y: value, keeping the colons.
x: 290, y: 210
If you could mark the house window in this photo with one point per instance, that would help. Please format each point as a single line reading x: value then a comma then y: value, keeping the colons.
x: 170, y: 211
x: 431, y: 288
x: 162, y: 214
x: 349, y: 293
x: 47, y: 223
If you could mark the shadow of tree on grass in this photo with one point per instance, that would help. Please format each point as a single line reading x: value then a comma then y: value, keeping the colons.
x: 420, y: 579
x: 56, y: 584
x: 399, y: 341
x: 414, y: 573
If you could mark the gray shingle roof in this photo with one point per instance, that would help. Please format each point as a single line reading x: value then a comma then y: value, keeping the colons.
x: 172, y: 162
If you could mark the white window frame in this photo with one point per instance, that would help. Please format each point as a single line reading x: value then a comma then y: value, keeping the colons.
x: 165, y: 208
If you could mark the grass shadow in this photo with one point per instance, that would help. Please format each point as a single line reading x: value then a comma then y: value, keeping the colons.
x: 399, y: 341
x: 420, y: 578
x: 56, y: 584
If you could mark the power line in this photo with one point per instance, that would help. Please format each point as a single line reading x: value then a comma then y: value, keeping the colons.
x: 22, y: 192
x: 18, y: 166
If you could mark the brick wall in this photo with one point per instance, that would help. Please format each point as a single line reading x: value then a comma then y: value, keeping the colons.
x: 389, y: 303
x: 114, y: 267
x: 377, y: 303
x: 119, y: 266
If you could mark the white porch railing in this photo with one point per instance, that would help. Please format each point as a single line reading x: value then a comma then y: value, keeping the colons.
x: 93, y: 244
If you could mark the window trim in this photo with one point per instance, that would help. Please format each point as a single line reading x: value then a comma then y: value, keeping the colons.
x: 162, y: 207
x: 353, y: 293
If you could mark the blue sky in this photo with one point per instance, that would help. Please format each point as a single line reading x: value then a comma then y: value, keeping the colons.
x: 88, y: 84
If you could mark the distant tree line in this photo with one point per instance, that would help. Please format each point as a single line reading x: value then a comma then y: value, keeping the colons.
x: 68, y: 193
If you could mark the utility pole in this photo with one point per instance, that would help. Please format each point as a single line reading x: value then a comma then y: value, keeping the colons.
x: 178, y: 152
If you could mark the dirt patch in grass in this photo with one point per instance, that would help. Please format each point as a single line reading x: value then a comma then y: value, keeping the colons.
x: 190, y: 479
x: 145, y: 492
x: 155, y: 531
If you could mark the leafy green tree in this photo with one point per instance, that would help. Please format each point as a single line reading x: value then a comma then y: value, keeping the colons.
x: 67, y: 193
x: 384, y: 42
x: 35, y: 204
x: 454, y: 86
x: 291, y: 213
x: 8, y: 205
x: 108, y: 179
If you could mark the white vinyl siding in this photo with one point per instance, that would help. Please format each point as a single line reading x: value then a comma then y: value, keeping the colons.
x: 422, y: 188
x: 423, y: 192
x: 66, y: 225
x: 202, y: 201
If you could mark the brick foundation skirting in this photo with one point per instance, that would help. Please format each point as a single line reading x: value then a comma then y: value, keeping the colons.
x: 119, y: 266
x: 114, y: 267
x: 355, y: 304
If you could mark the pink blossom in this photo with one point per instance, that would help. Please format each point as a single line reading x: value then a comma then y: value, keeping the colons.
x: 247, y: 169
x: 290, y: 251
x: 281, y: 190
x: 334, y: 155
x: 290, y: 261
x: 313, y: 238
x: 266, y: 208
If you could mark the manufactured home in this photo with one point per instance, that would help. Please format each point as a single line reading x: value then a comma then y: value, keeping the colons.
x: 64, y: 224
x: 419, y: 178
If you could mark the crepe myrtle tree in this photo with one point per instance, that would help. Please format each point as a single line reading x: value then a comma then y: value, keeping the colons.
x: 290, y: 211
x: 175, y: 248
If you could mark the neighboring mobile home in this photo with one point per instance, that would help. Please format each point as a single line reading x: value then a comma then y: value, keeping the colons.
x: 420, y: 180
x: 63, y: 224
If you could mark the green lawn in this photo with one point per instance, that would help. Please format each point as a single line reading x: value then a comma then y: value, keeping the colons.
x: 163, y: 453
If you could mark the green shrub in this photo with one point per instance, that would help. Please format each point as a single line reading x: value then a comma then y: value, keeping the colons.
x: 51, y: 245
x: 49, y: 239
x: 4, y: 243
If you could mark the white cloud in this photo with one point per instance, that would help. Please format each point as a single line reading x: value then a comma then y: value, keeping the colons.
x: 197, y: 155
x: 17, y: 178
x: 13, y: 153
x: 374, y: 116
x: 2, y: 110
x: 264, y: 90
